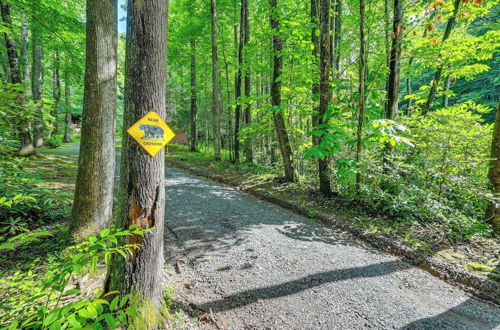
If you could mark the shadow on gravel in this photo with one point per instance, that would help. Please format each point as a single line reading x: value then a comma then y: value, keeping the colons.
x: 205, y: 217
x: 462, y: 314
x: 280, y: 290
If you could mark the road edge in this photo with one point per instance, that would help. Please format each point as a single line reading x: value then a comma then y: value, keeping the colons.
x: 482, y: 288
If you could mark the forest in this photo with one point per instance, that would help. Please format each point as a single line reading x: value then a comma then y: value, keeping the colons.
x: 382, y: 115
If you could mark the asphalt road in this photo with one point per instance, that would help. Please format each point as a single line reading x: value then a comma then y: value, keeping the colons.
x: 257, y: 266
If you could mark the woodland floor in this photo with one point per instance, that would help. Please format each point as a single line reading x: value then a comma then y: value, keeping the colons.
x: 235, y: 262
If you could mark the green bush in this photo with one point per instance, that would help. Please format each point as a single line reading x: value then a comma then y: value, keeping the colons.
x: 442, y: 177
x: 33, y: 204
x: 35, y: 300
x: 54, y: 141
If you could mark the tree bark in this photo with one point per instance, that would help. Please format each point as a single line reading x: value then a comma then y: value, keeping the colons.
x: 216, y: 92
x: 336, y: 39
x: 439, y: 72
x: 141, y: 196
x: 56, y: 92
x: 362, y: 82
x: 391, y: 106
x: 24, y: 50
x: 279, y: 120
x: 447, y: 86
x: 15, y: 77
x: 194, y: 104
x: 248, y: 106
x: 315, y: 52
x: 36, y: 88
x: 237, y: 93
x: 93, y: 203
x: 493, y: 212
x: 67, y: 120
x: 408, y: 87
x: 325, y: 96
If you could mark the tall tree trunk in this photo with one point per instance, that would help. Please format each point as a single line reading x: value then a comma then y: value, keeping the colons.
x: 228, y: 107
x: 237, y: 110
x: 439, y: 72
x: 15, y: 77
x: 336, y: 39
x: 325, y: 56
x: 36, y: 88
x: 67, y: 117
x: 56, y: 92
x: 93, y: 203
x: 194, y: 104
x: 279, y: 120
x: 408, y: 87
x: 142, y: 189
x: 248, y: 106
x: 493, y: 212
x: 24, y: 50
x: 216, y: 92
x: 391, y: 106
x: 362, y: 82
x: 447, y: 86
x: 315, y: 52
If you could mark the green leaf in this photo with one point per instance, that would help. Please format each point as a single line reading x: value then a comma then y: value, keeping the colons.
x: 124, y: 300
x: 131, y: 311
x: 13, y: 325
x: 84, y: 313
x: 114, y: 303
x: 73, y: 321
x: 105, y: 232
x: 92, y: 311
x: 72, y: 291
x: 51, y: 318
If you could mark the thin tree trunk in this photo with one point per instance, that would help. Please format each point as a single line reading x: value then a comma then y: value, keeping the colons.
x: 67, y: 120
x: 194, y: 103
x: 216, y: 92
x: 439, y: 71
x: 362, y: 81
x: 493, y: 212
x: 27, y: 147
x: 248, y: 106
x: 237, y: 111
x: 315, y: 52
x: 93, y: 203
x: 336, y: 39
x: 36, y: 89
x: 56, y: 92
x: 142, y: 189
x: 228, y: 109
x: 24, y: 50
x: 325, y: 56
x: 279, y: 120
x: 408, y: 87
x: 447, y: 86
x: 391, y: 106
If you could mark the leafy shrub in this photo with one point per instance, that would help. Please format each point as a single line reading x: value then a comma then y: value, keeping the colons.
x: 441, y: 177
x: 33, y: 301
x: 35, y: 205
x: 54, y: 141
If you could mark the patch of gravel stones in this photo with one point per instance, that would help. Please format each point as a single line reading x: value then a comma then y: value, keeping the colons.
x: 242, y: 263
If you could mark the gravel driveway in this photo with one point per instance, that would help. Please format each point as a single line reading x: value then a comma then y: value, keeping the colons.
x: 258, y: 266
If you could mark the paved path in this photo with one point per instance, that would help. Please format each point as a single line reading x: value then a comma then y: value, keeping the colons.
x: 257, y: 266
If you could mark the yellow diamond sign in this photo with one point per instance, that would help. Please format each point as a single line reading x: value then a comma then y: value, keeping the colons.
x: 151, y: 133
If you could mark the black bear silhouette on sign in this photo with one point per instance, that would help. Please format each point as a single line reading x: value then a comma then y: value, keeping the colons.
x: 151, y: 132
